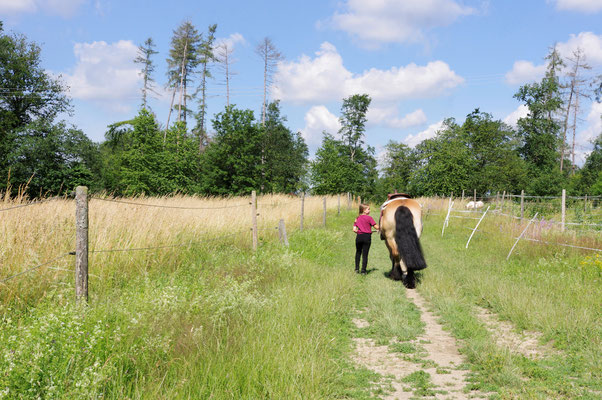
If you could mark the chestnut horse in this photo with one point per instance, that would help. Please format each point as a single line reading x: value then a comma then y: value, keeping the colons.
x: 400, y: 228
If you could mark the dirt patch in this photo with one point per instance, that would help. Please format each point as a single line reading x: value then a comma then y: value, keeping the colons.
x: 441, y: 360
x: 505, y: 335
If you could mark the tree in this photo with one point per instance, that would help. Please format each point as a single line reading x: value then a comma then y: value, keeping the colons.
x: 398, y: 164
x: 231, y: 163
x: 182, y: 64
x: 270, y: 56
x: 540, y: 135
x: 353, y: 121
x: 285, y: 154
x: 445, y: 163
x: 332, y: 170
x: 224, y: 58
x: 590, y: 181
x: 206, y: 57
x: 145, y: 52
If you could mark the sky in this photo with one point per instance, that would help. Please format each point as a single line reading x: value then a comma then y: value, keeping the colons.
x: 421, y: 61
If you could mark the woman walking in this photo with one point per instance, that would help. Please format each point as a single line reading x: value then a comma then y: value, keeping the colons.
x: 363, y: 229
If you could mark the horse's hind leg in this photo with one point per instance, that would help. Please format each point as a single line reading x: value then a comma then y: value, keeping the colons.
x: 396, y: 273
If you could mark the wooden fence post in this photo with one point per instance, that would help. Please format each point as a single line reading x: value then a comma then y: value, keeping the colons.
x: 462, y: 195
x: 522, y: 204
x: 348, y: 201
x: 563, y: 208
x: 282, y: 232
x: 474, y: 198
x: 324, y: 211
x: 302, y: 209
x: 254, y: 218
x: 585, y: 205
x: 503, y: 198
x: 497, y: 199
x: 339, y: 205
x: 81, y: 243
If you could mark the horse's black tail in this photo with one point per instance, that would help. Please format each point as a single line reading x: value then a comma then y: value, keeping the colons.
x: 406, y: 239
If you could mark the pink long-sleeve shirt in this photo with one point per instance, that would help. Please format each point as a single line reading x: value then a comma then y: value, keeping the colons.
x: 364, y: 223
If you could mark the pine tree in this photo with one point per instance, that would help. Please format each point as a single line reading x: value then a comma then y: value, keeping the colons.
x: 206, y: 56
x: 145, y: 52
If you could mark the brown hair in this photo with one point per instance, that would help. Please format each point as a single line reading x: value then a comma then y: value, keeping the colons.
x: 363, y: 207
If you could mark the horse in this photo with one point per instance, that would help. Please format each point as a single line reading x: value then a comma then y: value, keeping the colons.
x: 400, y: 228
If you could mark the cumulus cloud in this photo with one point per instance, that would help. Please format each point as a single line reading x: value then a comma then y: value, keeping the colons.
x: 17, y: 7
x: 325, y: 78
x: 594, y: 124
x: 388, y: 116
x: 585, y: 6
x: 105, y: 73
x: 525, y: 71
x: 317, y: 120
x: 64, y: 8
x: 393, y: 21
x: 231, y: 41
x: 590, y: 43
x: 521, y: 112
x: 430, y: 132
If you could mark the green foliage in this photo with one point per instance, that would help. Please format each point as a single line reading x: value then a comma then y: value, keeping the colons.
x: 232, y: 162
x: 284, y: 153
x: 353, y: 121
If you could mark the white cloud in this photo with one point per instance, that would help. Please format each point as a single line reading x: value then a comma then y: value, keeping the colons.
x: 231, y: 40
x: 388, y: 116
x: 317, y: 120
x: 521, y: 112
x: 430, y: 132
x: 594, y: 124
x: 105, y: 73
x: 590, y: 43
x: 64, y: 8
x: 393, y: 21
x: 17, y: 7
x: 586, y: 6
x: 325, y: 78
x: 524, y: 71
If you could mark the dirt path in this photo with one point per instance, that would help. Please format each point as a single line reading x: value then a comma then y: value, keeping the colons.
x: 441, y: 360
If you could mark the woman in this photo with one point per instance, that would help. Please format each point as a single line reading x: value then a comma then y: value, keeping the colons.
x: 363, y: 228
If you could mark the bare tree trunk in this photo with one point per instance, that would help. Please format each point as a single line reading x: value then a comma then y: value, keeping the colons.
x: 173, y: 95
x: 182, y: 79
x: 566, y: 124
x: 575, y: 115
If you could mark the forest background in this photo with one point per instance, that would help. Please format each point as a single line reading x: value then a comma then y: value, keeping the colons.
x: 41, y: 155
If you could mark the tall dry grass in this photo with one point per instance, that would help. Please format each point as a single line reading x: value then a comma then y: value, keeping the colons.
x: 32, y: 235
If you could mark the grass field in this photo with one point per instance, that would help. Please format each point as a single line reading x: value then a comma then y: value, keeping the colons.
x: 215, y: 320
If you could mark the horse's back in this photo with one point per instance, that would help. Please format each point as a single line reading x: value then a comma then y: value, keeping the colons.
x: 388, y: 218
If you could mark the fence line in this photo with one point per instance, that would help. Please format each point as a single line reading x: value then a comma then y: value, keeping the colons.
x: 37, y: 266
x: 161, y: 206
x: 33, y: 203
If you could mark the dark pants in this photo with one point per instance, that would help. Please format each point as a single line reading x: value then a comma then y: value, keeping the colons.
x: 362, y: 247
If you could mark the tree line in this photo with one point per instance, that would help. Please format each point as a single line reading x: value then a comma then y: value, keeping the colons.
x: 42, y: 155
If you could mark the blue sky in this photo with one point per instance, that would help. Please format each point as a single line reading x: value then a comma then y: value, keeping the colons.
x: 420, y: 60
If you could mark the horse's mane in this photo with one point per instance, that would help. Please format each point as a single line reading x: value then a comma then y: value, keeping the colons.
x: 395, y: 195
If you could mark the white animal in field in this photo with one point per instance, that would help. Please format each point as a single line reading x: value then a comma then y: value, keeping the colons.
x: 473, y: 205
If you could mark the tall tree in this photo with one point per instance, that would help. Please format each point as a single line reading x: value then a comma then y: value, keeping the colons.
x: 31, y: 97
x: 285, y: 154
x: 540, y: 135
x: 398, y: 163
x: 353, y: 121
x: 225, y: 60
x: 206, y: 56
x: 182, y: 64
x: 577, y: 92
x: 231, y: 164
x: 144, y: 58
x: 270, y: 56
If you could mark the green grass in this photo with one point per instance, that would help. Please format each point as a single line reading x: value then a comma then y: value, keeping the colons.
x: 219, y: 321
x: 540, y: 288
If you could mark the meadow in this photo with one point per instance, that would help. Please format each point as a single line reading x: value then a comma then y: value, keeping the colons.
x: 210, y: 318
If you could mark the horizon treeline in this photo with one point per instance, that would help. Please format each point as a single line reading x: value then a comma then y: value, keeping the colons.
x: 41, y: 155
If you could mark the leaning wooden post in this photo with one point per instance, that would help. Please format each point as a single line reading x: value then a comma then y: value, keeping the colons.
x: 282, y: 232
x: 563, y: 208
x: 478, y: 223
x: 521, y: 235
x: 254, y: 218
x: 339, y: 205
x: 324, y: 219
x: 302, y: 210
x: 81, y: 243
x: 522, y: 204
